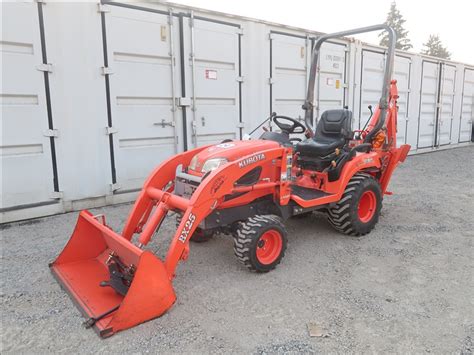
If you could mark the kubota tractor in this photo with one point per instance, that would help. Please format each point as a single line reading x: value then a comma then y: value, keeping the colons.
x: 243, y: 188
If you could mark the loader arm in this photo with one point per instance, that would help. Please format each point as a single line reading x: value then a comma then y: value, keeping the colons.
x: 207, y: 197
x: 161, y: 176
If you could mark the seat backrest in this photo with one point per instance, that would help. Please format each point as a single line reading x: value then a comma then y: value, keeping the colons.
x: 335, y: 124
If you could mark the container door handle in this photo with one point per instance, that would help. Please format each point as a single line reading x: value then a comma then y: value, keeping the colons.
x: 164, y: 123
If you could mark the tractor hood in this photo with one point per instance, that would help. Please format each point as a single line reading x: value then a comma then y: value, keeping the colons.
x: 228, y: 151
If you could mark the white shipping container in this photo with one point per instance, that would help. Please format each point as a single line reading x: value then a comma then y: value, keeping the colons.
x: 94, y: 96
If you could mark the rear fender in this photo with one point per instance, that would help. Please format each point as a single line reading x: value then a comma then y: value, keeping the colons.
x: 361, y: 161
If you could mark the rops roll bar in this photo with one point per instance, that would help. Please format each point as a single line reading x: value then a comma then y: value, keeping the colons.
x: 383, y: 103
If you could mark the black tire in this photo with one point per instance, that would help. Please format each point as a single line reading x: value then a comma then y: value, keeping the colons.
x: 250, y: 235
x: 199, y: 235
x: 345, y: 215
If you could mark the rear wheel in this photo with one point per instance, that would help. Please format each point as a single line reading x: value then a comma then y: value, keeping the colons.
x: 358, y: 211
x: 260, y: 242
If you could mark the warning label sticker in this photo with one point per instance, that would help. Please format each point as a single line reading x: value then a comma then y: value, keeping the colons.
x: 211, y: 74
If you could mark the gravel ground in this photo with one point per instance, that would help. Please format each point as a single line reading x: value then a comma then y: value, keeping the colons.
x: 406, y: 287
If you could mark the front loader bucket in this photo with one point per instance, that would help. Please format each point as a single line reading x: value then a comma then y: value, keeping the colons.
x: 84, y: 270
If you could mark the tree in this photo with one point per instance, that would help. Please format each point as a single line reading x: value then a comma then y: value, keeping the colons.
x: 435, y: 48
x: 396, y: 21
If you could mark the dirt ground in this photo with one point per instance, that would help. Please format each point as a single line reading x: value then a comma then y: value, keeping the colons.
x: 406, y: 287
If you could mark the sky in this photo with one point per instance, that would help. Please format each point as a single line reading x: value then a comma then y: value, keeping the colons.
x: 452, y: 20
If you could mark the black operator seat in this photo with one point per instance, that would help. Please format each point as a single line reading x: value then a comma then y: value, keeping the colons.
x: 333, y: 131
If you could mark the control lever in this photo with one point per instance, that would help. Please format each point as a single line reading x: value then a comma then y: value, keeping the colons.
x: 371, y: 114
x: 261, y: 124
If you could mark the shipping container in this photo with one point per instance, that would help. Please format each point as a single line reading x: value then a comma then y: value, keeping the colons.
x: 95, y: 95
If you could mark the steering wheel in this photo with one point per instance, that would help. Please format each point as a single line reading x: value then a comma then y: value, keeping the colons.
x: 289, y: 128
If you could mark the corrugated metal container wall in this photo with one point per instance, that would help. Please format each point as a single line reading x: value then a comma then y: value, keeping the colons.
x: 28, y: 157
x: 89, y: 111
x: 466, y: 127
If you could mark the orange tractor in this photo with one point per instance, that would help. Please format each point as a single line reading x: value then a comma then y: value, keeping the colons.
x: 243, y: 188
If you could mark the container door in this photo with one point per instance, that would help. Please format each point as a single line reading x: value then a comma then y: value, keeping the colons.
x: 289, y: 74
x: 373, y: 65
x: 402, y: 75
x: 446, y: 107
x: 26, y: 175
x: 467, y: 108
x: 331, y: 79
x: 214, y: 83
x: 428, y: 104
x: 140, y: 49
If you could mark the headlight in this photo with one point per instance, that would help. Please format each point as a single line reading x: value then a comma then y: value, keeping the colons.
x: 213, y: 164
x: 193, y: 163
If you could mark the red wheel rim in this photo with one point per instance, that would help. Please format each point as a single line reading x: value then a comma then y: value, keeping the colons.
x: 269, y: 247
x: 367, y: 206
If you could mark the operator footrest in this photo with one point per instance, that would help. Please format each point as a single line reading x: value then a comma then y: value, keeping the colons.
x: 306, y: 193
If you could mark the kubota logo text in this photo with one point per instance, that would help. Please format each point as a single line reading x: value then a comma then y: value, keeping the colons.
x: 187, y: 227
x: 252, y: 160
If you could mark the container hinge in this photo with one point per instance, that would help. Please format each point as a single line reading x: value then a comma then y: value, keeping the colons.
x: 45, y: 67
x: 271, y: 36
x: 106, y: 71
x: 103, y: 8
x: 240, y: 125
x: 41, y: 1
x: 240, y: 79
x: 345, y: 85
x: 56, y: 195
x: 271, y: 81
x: 240, y: 31
x: 110, y: 130
x: 51, y: 133
x: 115, y: 187
x: 183, y: 101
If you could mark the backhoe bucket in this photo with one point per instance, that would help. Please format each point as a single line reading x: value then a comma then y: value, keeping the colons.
x: 114, y: 283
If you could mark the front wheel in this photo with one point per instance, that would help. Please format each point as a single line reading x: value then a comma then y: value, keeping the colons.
x: 358, y: 211
x: 260, y: 242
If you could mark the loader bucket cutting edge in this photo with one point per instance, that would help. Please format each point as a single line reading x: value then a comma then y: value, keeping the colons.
x: 82, y: 267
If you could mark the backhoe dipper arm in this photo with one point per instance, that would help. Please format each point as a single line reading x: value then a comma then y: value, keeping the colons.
x: 383, y: 103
